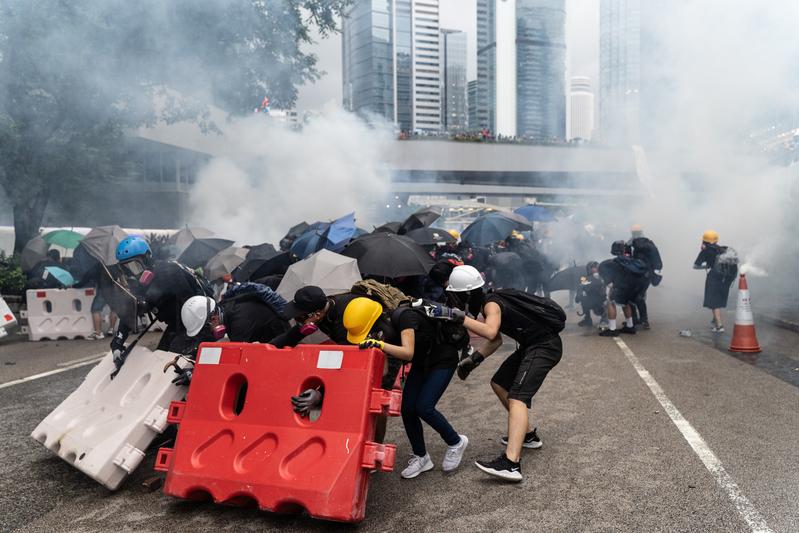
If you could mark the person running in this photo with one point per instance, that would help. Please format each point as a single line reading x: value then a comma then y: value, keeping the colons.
x: 434, y: 360
x: 721, y: 263
x: 534, y: 323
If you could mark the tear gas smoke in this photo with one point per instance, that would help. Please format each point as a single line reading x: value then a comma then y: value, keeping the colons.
x: 272, y: 176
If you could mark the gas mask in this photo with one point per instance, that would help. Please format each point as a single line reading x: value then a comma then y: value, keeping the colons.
x: 137, y: 270
x: 219, y: 330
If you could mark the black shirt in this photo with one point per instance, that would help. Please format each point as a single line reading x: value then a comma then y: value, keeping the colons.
x: 707, y: 256
x: 519, y: 327
x: 332, y: 324
x: 427, y: 351
x: 248, y: 319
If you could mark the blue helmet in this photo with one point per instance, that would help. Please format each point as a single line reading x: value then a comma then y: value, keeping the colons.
x: 132, y: 247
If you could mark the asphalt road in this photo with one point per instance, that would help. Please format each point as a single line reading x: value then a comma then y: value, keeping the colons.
x: 613, y: 459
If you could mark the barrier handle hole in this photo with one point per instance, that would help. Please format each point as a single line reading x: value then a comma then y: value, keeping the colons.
x: 48, y: 306
x: 240, y: 398
x: 234, y: 396
x: 77, y: 305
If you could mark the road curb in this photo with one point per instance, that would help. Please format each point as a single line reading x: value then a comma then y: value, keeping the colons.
x: 780, y: 322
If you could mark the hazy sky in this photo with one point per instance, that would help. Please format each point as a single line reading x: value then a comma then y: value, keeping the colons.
x: 582, y: 33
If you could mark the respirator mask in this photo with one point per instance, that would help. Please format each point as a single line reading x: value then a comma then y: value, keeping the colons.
x: 218, y: 331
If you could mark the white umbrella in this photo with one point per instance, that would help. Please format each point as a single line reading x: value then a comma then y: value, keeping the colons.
x: 332, y: 272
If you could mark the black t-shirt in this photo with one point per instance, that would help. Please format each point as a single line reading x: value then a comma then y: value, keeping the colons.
x: 519, y: 327
x: 332, y: 324
x: 248, y: 319
x: 427, y: 352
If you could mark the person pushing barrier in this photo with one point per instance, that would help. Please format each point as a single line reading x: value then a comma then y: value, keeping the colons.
x: 534, y: 322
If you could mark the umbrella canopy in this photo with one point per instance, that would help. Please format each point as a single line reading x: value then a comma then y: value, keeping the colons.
x: 262, y: 251
x: 535, y: 213
x: 488, y: 229
x: 63, y: 238
x: 566, y: 279
x: 340, y: 232
x: 297, y: 230
x: 64, y: 277
x: 101, y: 243
x: 224, y: 262
x: 388, y: 227
x: 430, y: 236
x: 333, y: 273
x: 252, y: 269
x: 420, y: 219
x: 34, y: 251
x: 389, y: 256
x: 200, y: 251
x: 309, y: 242
x: 522, y: 224
x: 182, y: 239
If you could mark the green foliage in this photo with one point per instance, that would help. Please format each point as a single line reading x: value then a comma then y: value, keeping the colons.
x: 12, y: 279
x: 75, y: 76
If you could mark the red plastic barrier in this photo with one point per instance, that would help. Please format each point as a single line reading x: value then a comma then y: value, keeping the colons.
x: 240, y: 441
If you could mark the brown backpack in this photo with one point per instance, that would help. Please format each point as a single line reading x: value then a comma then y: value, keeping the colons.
x: 389, y: 297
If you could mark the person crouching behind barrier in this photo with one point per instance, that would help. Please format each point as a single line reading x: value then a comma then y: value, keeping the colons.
x: 434, y: 362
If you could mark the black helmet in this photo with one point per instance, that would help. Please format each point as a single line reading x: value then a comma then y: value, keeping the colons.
x: 618, y: 248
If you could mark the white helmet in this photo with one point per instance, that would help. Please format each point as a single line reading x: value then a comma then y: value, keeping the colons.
x: 195, y: 313
x: 465, y: 278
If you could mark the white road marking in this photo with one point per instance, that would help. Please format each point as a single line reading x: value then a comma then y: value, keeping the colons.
x: 94, y: 357
x: 49, y: 373
x: 753, y: 518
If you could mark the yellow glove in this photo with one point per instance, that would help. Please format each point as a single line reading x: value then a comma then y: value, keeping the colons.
x: 371, y: 343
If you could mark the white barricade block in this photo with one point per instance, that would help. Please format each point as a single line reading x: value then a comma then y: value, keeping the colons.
x: 104, y: 427
x: 59, y: 313
x: 7, y: 318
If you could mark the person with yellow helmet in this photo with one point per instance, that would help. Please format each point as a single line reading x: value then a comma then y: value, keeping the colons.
x: 721, y: 263
x: 414, y: 339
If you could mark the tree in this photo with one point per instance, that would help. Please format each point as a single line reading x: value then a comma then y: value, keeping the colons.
x: 75, y: 76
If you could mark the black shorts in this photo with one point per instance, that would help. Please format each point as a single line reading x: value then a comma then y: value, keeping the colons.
x: 99, y: 301
x: 627, y: 293
x: 523, y: 372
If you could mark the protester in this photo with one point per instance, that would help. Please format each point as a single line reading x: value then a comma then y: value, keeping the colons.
x: 534, y: 323
x: 626, y: 279
x: 644, y: 249
x: 98, y: 304
x: 413, y: 336
x: 143, y: 287
x: 591, y: 295
x: 721, y: 263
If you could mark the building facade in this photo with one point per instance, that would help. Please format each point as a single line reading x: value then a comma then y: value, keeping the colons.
x: 521, y: 67
x: 391, y: 62
x: 581, y: 116
x: 454, y: 106
x: 471, y: 98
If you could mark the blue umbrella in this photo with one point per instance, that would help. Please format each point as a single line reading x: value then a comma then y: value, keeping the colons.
x: 535, y: 213
x: 340, y: 232
x: 64, y: 277
x: 307, y: 243
x: 488, y: 229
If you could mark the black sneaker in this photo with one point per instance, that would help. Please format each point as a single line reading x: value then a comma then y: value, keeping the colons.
x: 628, y: 330
x: 645, y: 324
x: 586, y: 322
x: 531, y: 440
x: 501, y: 467
x: 609, y: 333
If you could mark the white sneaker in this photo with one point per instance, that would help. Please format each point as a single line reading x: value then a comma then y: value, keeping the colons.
x: 95, y: 337
x: 454, y: 455
x: 417, y: 465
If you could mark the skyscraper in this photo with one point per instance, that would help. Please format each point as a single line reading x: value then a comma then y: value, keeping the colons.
x: 391, y: 63
x: 454, y: 108
x: 581, y: 121
x: 474, y: 123
x: 521, y: 67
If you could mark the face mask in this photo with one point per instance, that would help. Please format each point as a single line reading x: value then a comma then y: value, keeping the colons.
x: 308, y: 329
x: 219, y: 331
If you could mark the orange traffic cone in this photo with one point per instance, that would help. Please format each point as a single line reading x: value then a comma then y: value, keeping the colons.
x: 744, y: 338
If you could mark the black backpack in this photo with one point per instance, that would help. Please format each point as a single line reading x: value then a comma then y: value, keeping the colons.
x: 726, y: 263
x: 645, y: 249
x: 525, y: 307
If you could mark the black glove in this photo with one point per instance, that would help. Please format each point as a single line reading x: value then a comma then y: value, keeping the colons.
x: 118, y: 343
x: 371, y: 343
x: 470, y: 360
x: 307, y: 400
x: 442, y: 312
x: 183, y: 376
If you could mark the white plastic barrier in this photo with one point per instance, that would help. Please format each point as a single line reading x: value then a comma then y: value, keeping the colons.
x: 7, y: 318
x: 59, y: 313
x: 104, y: 427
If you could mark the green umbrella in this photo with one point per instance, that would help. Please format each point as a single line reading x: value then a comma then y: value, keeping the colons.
x: 63, y: 238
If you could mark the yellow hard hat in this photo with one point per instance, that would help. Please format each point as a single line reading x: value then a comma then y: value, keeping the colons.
x: 516, y: 235
x: 359, y: 317
x: 455, y: 233
x: 710, y: 236
x: 636, y: 228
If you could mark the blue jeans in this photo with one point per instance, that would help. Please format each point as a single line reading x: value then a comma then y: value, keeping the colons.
x: 419, y: 398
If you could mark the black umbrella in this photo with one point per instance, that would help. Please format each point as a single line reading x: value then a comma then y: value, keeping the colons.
x: 522, y: 223
x: 297, y: 230
x: 181, y: 240
x: 388, y: 227
x: 389, y: 256
x: 200, y: 251
x: 35, y: 250
x: 252, y: 269
x: 262, y: 251
x: 420, y: 219
x: 566, y: 279
x: 430, y: 236
x: 488, y: 229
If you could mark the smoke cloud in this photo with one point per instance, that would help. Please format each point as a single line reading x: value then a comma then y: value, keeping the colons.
x: 272, y: 176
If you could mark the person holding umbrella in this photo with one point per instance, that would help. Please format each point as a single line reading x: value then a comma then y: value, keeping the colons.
x: 413, y: 336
